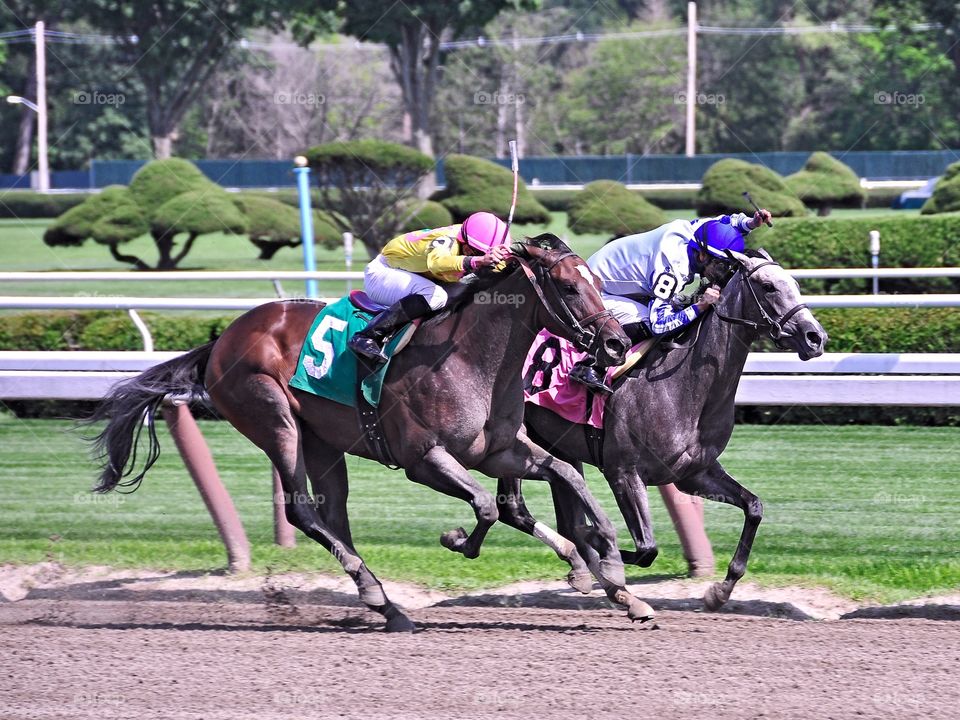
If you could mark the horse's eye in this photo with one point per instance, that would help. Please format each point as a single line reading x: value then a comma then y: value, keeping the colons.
x: 570, y: 289
x: 769, y: 287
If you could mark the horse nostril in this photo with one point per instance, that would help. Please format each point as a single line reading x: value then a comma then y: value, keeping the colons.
x: 615, y: 347
x: 814, y: 339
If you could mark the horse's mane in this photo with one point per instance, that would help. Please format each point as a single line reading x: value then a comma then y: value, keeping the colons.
x: 463, y: 293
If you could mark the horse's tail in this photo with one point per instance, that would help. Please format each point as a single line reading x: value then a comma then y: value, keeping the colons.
x: 132, y: 405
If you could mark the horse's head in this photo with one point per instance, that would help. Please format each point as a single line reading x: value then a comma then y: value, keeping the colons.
x: 570, y: 303
x: 772, y: 302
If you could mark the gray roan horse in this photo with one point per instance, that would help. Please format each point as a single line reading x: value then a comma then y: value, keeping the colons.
x: 670, y: 420
x: 452, y: 400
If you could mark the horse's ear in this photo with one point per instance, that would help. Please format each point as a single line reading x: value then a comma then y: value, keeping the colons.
x: 764, y: 254
x: 546, y: 241
x: 739, y: 258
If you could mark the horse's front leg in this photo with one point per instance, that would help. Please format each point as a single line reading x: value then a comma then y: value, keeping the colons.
x: 440, y: 471
x: 514, y: 512
x: 525, y: 459
x: 715, y: 483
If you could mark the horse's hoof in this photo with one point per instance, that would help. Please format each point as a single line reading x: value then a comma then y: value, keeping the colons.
x: 639, y: 610
x: 582, y: 582
x: 715, y: 598
x: 612, y: 572
x: 645, y: 558
x: 454, y: 539
x: 400, y: 623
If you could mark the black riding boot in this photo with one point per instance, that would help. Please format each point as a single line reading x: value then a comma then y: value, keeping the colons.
x: 369, y: 342
x: 586, y: 374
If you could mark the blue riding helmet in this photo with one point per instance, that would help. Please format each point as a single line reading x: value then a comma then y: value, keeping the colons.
x: 716, y: 237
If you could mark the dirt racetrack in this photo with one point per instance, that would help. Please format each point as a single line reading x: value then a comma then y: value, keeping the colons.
x: 111, y: 649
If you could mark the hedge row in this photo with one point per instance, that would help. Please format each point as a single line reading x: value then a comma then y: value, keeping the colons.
x: 850, y: 330
x: 905, y: 241
x: 29, y: 204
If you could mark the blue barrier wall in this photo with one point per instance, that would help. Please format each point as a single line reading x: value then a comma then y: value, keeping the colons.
x: 873, y: 165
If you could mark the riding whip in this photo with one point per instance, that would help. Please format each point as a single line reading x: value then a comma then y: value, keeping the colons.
x: 755, y: 206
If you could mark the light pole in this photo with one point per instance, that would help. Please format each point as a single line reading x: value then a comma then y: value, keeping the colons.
x: 39, y: 107
x: 43, y: 182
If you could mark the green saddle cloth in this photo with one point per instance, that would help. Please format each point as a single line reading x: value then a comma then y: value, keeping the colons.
x: 327, y: 368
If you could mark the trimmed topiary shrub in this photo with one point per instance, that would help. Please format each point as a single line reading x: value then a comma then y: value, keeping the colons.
x: 726, y: 180
x: 475, y: 185
x: 946, y: 193
x: 365, y: 184
x: 162, y: 180
x: 606, y: 206
x: 825, y: 183
x: 166, y: 198
x: 271, y: 225
x: 75, y: 226
x: 193, y: 214
x: 421, y: 214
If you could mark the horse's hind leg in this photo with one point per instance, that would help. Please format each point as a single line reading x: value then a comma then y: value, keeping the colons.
x: 631, y: 497
x: 327, y: 471
x: 260, y: 410
x: 715, y: 483
x: 441, y: 471
x: 514, y: 512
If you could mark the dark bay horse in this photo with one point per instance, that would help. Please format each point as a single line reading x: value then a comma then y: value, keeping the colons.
x: 672, y: 417
x: 452, y: 401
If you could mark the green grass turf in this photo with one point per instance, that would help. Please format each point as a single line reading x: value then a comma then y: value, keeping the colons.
x: 868, y: 512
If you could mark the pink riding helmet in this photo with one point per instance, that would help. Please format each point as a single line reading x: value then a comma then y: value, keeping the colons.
x: 483, y: 231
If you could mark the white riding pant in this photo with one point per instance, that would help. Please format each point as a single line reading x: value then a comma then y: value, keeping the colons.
x: 625, y: 310
x: 386, y: 285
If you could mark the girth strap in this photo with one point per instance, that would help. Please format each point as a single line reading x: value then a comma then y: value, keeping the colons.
x: 370, y: 426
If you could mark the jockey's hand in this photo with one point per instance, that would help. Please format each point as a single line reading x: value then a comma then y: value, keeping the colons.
x: 493, y: 258
x: 760, y: 217
x: 710, y: 297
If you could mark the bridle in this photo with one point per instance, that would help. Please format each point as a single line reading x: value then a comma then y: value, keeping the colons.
x: 773, y: 325
x: 538, y: 273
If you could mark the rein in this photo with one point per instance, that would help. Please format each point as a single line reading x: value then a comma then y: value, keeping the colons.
x: 584, y: 338
x: 774, y: 326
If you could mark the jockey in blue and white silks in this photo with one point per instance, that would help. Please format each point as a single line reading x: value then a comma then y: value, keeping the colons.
x: 643, y: 275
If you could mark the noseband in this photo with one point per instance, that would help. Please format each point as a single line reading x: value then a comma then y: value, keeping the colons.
x: 583, y: 338
x: 773, y: 325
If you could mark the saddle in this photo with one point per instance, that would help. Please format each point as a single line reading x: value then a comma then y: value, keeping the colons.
x: 368, y: 413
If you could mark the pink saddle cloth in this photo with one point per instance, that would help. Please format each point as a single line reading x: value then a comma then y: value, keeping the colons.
x: 546, y: 381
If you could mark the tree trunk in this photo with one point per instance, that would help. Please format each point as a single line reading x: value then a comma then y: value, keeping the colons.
x: 414, y: 62
x: 21, y: 159
x: 162, y: 146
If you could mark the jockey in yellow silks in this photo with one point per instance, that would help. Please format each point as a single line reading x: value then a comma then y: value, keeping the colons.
x: 405, y: 276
